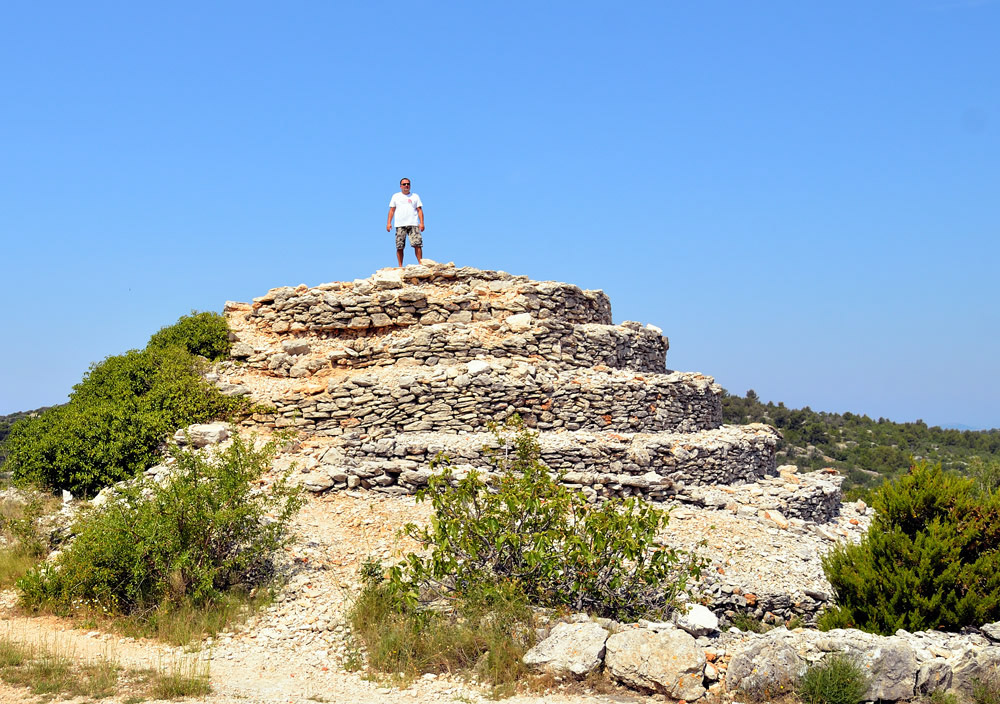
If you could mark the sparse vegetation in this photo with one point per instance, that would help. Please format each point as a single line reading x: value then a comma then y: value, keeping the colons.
x: 986, y: 689
x: 487, y: 629
x: 837, y: 679
x: 45, y: 670
x: 496, y: 545
x: 930, y: 560
x: 22, y: 544
x: 748, y: 624
x: 185, y: 544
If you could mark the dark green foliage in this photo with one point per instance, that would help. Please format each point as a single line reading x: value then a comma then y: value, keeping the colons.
x: 115, y: 421
x: 8, y: 421
x: 866, y: 451
x: 837, y: 679
x: 930, y: 560
x: 185, y: 541
x: 527, y: 529
x: 204, y: 334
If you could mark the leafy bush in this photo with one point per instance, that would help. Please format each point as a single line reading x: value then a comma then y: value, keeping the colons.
x: 837, y: 679
x: 116, y: 419
x: 204, y: 531
x: 930, y: 560
x: 204, y: 334
x: 525, y: 528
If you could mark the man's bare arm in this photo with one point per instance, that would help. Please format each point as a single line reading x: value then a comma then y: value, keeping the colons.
x: 420, y: 214
x: 388, y: 221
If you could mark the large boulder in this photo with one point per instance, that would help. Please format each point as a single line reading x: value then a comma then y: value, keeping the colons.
x: 387, y: 279
x: 202, y: 434
x: 575, y: 649
x: 765, y: 669
x: 991, y: 630
x: 669, y: 662
x: 893, y: 666
x: 974, y: 665
x: 696, y: 619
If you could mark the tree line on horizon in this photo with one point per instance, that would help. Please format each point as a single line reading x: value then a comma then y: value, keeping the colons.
x: 867, y: 451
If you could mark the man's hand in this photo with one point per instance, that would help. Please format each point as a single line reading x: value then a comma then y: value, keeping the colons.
x: 421, y: 227
x: 388, y: 228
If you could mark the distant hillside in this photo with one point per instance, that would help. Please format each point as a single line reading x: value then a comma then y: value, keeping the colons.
x: 866, y: 451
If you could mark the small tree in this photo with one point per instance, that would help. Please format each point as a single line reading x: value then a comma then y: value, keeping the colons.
x: 204, y: 334
x: 116, y: 419
x: 930, y: 560
x: 523, y: 527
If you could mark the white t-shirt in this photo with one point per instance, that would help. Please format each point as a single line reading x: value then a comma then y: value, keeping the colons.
x: 406, y: 208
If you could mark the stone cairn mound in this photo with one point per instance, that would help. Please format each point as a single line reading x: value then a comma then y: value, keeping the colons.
x: 386, y: 372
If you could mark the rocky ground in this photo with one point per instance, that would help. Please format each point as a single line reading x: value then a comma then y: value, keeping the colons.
x: 295, y: 650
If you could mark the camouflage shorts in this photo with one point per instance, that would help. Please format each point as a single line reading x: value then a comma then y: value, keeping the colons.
x: 413, y: 231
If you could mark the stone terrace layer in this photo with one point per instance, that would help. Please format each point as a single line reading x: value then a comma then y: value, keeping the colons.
x: 519, y: 337
x: 464, y: 397
x: 419, y: 295
x: 602, y: 464
x: 387, y: 371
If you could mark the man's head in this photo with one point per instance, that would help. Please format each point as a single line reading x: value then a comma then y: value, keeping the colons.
x: 404, y: 185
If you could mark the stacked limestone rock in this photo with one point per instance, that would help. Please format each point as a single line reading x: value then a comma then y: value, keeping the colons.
x: 393, y: 369
x: 383, y: 374
x: 686, y: 658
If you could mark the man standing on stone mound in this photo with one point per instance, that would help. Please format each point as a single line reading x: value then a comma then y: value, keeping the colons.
x: 409, y: 213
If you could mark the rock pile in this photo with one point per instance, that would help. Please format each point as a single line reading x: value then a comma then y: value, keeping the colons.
x: 677, y: 660
x: 381, y: 375
x: 413, y: 362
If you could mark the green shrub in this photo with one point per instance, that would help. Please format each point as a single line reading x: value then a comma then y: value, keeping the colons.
x: 116, y: 419
x: 837, y: 679
x: 186, y: 541
x: 527, y: 529
x: 204, y: 334
x: 930, y: 560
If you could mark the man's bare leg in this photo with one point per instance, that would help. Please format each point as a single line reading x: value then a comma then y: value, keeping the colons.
x: 399, y: 256
x: 419, y: 251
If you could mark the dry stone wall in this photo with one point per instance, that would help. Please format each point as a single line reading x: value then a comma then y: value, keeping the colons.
x: 813, y: 496
x: 605, y: 465
x: 391, y: 299
x: 464, y: 397
x: 409, y: 362
x: 519, y: 337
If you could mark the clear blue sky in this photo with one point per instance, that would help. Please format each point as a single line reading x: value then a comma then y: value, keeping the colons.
x: 804, y: 196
